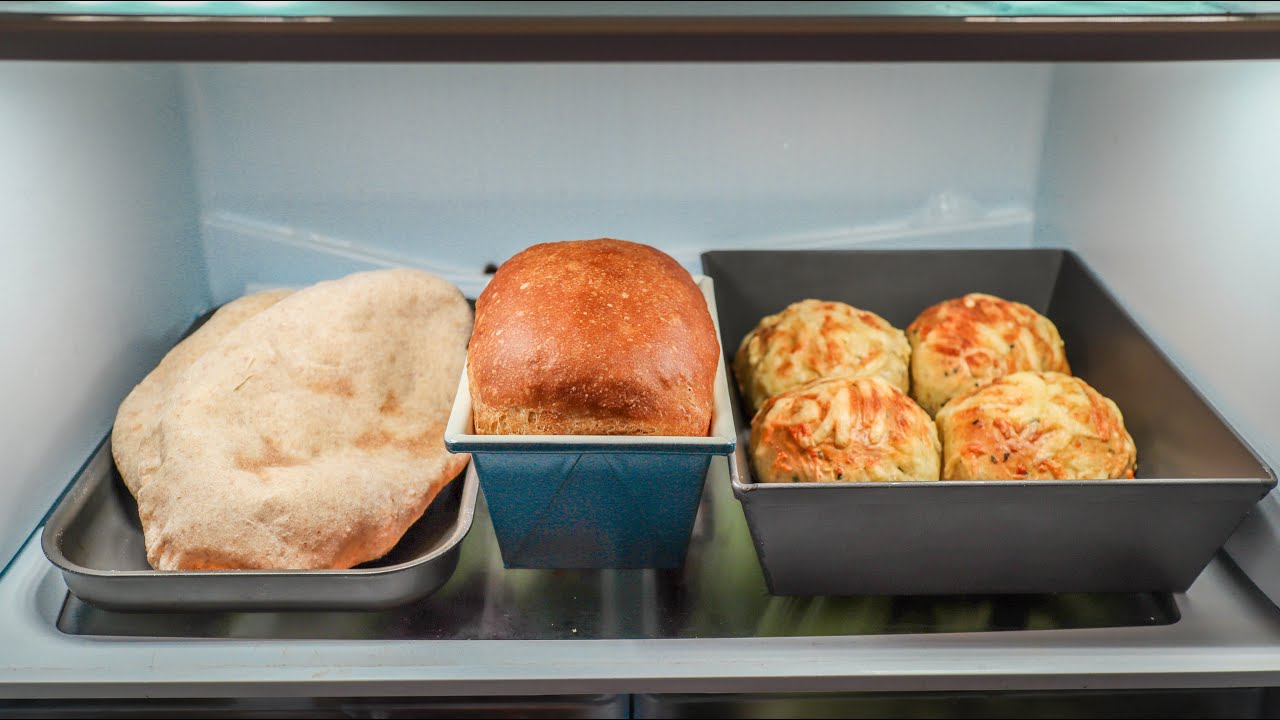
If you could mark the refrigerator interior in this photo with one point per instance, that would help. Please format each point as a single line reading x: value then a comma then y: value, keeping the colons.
x: 140, y: 195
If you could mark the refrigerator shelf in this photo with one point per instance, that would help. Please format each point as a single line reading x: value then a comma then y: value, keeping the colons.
x: 720, y: 593
x: 1226, y: 634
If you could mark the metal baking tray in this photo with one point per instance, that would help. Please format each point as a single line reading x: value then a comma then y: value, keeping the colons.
x: 95, y: 538
x: 594, y: 501
x: 1196, y: 479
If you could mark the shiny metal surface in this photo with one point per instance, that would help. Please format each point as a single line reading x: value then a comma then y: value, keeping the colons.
x: 720, y: 593
x: 1227, y: 635
x: 95, y: 538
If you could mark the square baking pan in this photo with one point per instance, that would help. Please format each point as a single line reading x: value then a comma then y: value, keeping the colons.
x: 594, y: 501
x: 95, y: 538
x: 1196, y: 479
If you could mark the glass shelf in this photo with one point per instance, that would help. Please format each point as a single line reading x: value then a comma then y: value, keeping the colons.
x: 720, y: 593
x: 642, y: 9
x: 639, y: 32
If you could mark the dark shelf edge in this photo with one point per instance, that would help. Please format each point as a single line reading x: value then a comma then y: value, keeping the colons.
x: 761, y: 39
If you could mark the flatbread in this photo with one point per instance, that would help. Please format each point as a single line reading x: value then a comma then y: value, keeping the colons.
x: 134, y: 438
x: 310, y: 435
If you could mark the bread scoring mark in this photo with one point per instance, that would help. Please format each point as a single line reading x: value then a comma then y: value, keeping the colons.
x: 391, y: 404
x: 271, y: 456
x: 340, y: 386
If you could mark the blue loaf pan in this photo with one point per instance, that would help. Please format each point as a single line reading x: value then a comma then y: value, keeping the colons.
x: 594, y: 501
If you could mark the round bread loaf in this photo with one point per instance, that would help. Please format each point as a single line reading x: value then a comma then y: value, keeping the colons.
x: 592, y: 337
x: 1035, y: 426
x: 844, y: 430
x: 813, y: 339
x: 967, y: 342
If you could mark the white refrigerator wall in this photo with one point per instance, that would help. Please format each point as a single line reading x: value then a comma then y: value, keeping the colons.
x: 309, y: 171
x: 1166, y: 178
x: 102, y: 267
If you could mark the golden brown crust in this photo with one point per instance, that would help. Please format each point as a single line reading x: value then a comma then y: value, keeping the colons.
x: 596, y: 337
x: 844, y: 430
x: 965, y: 343
x: 814, y: 339
x: 1035, y: 426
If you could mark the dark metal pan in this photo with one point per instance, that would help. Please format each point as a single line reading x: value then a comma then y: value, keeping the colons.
x: 1196, y: 478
